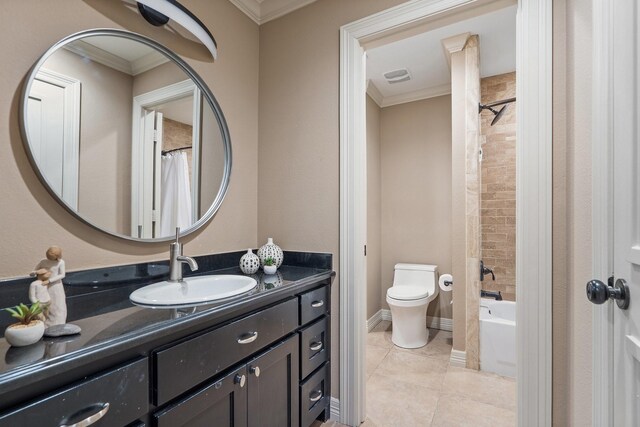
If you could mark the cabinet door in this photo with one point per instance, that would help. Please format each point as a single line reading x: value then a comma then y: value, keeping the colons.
x: 221, y: 404
x: 273, y: 387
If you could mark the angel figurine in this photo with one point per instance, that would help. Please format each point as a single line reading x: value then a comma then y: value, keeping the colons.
x: 57, y: 313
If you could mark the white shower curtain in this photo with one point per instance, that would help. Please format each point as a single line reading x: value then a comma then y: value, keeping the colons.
x: 175, y: 210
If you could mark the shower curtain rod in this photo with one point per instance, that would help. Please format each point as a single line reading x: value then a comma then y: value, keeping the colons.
x: 188, y: 147
x: 493, y: 104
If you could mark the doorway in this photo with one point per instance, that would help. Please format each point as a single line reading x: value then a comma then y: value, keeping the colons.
x: 534, y: 196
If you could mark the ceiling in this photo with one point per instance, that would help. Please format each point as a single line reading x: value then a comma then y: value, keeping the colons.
x: 262, y: 11
x: 424, y: 56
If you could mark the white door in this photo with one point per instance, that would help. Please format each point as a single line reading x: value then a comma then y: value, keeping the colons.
x: 53, y: 110
x: 150, y: 174
x: 626, y: 211
x: 618, y: 378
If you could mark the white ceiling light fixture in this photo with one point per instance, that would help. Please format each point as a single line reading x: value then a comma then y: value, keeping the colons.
x: 158, y: 13
x: 397, y: 76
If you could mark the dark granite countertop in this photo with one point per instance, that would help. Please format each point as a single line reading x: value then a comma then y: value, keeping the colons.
x: 122, y: 330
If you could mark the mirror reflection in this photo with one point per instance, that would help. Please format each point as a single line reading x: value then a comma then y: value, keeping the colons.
x: 125, y: 138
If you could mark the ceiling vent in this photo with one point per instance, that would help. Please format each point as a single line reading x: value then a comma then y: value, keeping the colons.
x: 397, y: 76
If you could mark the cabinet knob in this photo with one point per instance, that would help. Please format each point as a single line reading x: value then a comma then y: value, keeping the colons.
x: 255, y: 370
x: 317, y: 304
x: 240, y: 379
x: 315, y: 346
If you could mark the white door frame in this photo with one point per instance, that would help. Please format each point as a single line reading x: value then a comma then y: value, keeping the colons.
x: 534, y: 201
x: 149, y: 100
x: 602, y: 209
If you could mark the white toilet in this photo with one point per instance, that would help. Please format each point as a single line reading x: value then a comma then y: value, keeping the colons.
x: 414, y: 287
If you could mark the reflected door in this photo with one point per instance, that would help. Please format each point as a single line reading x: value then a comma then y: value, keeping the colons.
x: 149, y: 206
x: 54, y: 126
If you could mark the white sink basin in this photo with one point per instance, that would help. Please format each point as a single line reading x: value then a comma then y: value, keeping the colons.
x: 192, y: 290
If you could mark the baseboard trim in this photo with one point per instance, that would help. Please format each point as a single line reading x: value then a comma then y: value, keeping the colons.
x: 432, y: 322
x: 441, y: 323
x: 458, y: 358
x: 334, y: 410
x: 374, y: 320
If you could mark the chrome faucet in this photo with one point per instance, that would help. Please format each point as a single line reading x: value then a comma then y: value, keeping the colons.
x: 176, y: 259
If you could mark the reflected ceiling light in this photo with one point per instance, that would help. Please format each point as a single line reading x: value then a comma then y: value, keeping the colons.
x: 158, y: 13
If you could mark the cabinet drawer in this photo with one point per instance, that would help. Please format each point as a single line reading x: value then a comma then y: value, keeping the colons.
x: 314, y: 396
x: 185, y: 365
x: 314, y: 304
x: 115, y: 398
x: 314, y: 341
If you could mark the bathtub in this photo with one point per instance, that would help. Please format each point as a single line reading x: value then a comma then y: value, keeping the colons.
x: 498, y: 337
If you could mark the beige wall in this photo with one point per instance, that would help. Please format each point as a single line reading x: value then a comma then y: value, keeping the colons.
x: 572, y: 352
x: 299, y: 133
x: 233, y: 78
x: 498, y: 198
x: 374, y: 250
x: 104, y: 175
x: 158, y: 77
x: 416, y: 190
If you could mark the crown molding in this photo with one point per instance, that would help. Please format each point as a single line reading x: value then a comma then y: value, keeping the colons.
x: 108, y: 59
x: 262, y: 11
x: 96, y: 54
x: 374, y: 93
x: 388, y: 101
x: 147, y: 62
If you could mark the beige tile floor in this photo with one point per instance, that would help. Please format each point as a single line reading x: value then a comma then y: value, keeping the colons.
x: 418, y: 387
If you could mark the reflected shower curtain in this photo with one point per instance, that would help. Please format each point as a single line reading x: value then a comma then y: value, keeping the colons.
x: 175, y: 190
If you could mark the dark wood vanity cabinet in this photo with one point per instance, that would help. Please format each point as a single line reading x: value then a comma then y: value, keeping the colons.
x: 280, y: 378
x: 266, y: 368
x: 113, y: 398
x: 262, y: 392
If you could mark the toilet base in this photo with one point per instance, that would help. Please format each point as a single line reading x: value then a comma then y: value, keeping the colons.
x: 409, y: 326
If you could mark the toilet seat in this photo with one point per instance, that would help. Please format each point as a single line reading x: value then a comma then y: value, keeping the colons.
x: 407, y: 293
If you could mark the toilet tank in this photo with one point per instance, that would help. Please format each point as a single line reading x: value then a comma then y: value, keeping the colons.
x: 416, y: 275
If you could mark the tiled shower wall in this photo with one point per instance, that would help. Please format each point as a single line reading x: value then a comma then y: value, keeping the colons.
x: 498, y: 198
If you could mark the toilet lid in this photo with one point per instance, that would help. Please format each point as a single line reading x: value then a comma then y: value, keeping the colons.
x: 407, y: 292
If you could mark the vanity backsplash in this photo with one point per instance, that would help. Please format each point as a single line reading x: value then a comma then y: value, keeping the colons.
x: 102, y: 290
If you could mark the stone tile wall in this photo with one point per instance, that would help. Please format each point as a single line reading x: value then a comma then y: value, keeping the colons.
x: 177, y: 135
x: 498, y: 198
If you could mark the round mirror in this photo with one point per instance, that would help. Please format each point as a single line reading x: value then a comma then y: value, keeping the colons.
x: 125, y: 135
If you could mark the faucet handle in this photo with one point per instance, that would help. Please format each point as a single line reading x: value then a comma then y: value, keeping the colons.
x: 177, y: 235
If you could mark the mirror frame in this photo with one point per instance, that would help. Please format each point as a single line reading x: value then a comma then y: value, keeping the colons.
x: 206, y: 92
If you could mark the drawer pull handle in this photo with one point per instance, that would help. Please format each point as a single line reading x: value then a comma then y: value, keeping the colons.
x: 315, y: 396
x: 91, y: 418
x: 248, y: 338
x: 240, y: 379
x: 255, y: 370
x: 315, y: 346
x: 317, y: 304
